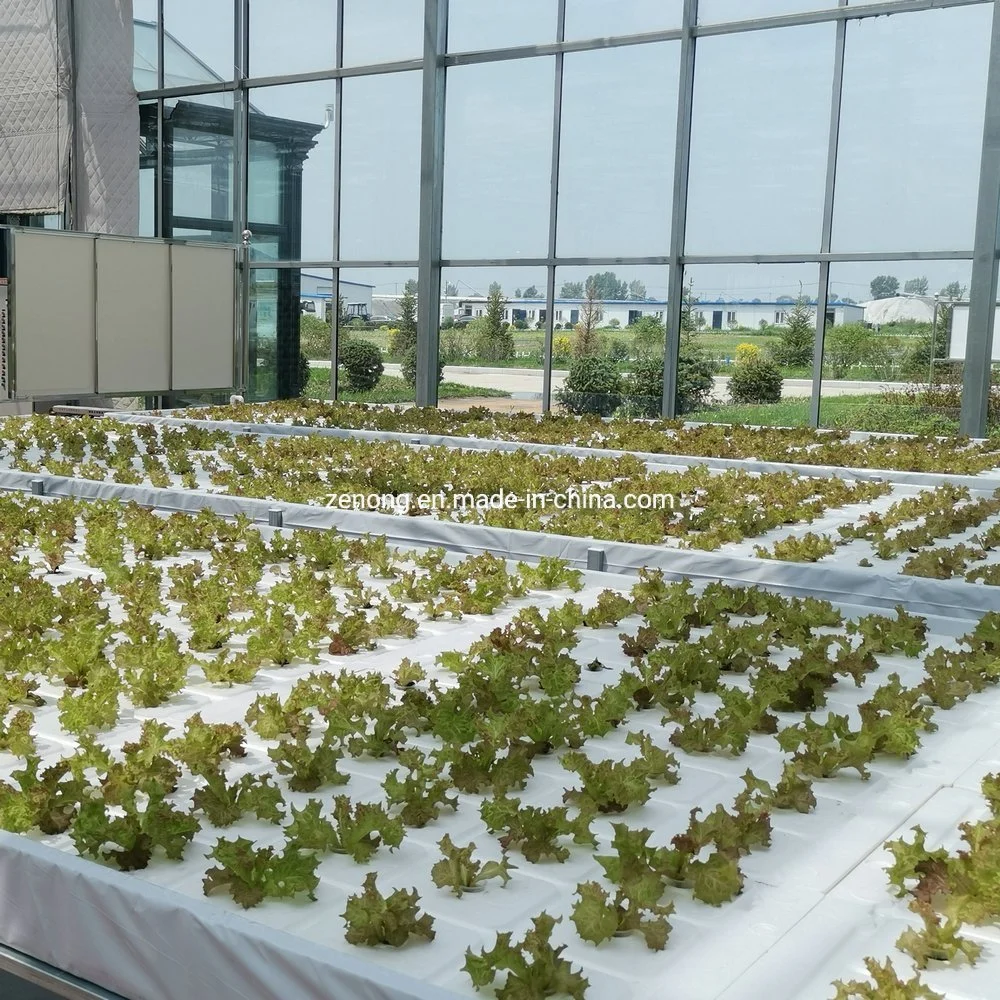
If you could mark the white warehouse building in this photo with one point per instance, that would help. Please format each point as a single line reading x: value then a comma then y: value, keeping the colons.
x: 721, y: 315
x: 960, y: 332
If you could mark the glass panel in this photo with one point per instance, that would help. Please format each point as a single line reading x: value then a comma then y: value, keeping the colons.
x: 760, y: 140
x: 618, y: 204
x: 716, y: 11
x: 496, y: 24
x: 290, y: 174
x: 198, y: 163
x: 371, y: 306
x: 279, y: 331
x: 199, y: 43
x: 497, y: 165
x: 145, y: 54
x: 492, y: 337
x: 618, y: 316
x: 895, y: 346
x: 601, y: 18
x: 379, y: 31
x: 147, y: 168
x: 302, y: 43
x: 747, y: 338
x: 380, y: 177
x: 911, y: 131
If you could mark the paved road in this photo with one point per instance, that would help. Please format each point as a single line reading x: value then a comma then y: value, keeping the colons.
x: 527, y: 382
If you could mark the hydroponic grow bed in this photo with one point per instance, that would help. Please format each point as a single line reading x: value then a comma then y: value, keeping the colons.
x: 152, y: 934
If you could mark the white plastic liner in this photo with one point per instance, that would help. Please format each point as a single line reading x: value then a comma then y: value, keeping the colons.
x: 946, y: 598
x: 985, y: 482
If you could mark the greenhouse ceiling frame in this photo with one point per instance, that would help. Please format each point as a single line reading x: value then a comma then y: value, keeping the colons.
x: 434, y: 65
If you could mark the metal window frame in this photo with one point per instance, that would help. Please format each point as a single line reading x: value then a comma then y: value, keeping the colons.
x: 433, y: 66
x: 978, y: 369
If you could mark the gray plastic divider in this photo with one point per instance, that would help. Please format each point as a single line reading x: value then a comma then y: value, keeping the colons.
x: 984, y: 483
x: 954, y: 599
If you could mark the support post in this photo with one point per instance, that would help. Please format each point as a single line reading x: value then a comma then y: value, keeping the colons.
x: 678, y: 223
x: 826, y: 239
x: 550, y: 282
x: 431, y: 200
x: 978, y: 368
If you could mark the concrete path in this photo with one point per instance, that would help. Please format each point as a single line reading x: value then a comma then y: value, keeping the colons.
x: 526, y: 383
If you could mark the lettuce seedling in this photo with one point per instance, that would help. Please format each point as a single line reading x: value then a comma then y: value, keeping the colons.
x: 535, y: 969
x: 135, y: 835
x: 460, y: 872
x: 306, y: 768
x: 204, y: 745
x: 936, y: 941
x: 599, y: 916
x: 223, y: 804
x: 250, y: 874
x: 357, y: 829
x: 422, y: 793
x: 374, y: 919
x: 535, y: 831
x: 887, y: 985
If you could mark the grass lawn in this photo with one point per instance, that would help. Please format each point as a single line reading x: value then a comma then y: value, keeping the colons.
x: 861, y: 412
x: 392, y: 389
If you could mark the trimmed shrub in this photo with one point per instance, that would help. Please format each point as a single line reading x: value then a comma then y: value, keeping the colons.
x: 643, y: 388
x: 618, y: 351
x: 755, y: 382
x: 362, y: 362
x: 694, y: 380
x: 409, y: 367
x: 593, y: 385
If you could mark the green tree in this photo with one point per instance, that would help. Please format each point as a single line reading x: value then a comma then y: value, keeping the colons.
x: 884, y: 286
x: 314, y: 337
x: 608, y: 287
x: 798, y: 336
x: 531, y: 292
x: 587, y: 341
x: 694, y: 368
x: 571, y: 290
x: 637, y: 291
x: 953, y: 290
x: 916, y: 286
x: 406, y: 337
x: 495, y: 342
x: 517, y: 293
x: 451, y: 289
x: 648, y: 337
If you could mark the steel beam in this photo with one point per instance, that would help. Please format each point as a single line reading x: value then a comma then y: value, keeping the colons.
x: 826, y: 237
x: 550, y: 283
x: 678, y: 219
x: 431, y: 200
x: 978, y: 368
x: 338, y: 161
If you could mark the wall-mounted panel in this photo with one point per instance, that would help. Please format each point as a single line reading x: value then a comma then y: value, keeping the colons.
x: 133, y: 317
x: 203, y: 321
x: 54, y: 291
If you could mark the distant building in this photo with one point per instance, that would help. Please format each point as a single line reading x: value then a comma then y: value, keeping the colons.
x: 316, y: 295
x: 719, y: 315
x: 960, y: 332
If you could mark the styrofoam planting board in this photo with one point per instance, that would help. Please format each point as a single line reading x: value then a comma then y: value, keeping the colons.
x: 151, y: 934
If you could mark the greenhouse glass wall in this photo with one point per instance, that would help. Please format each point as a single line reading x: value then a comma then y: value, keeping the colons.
x: 680, y: 180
